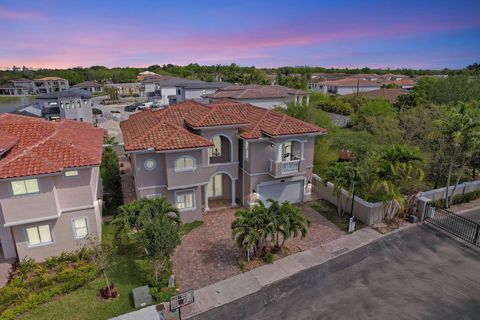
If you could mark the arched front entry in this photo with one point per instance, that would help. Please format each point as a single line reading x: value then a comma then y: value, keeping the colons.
x: 220, y: 191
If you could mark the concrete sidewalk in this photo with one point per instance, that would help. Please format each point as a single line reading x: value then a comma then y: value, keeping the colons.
x: 244, y: 284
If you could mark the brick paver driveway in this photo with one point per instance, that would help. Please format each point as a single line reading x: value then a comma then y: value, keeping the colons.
x: 208, y: 254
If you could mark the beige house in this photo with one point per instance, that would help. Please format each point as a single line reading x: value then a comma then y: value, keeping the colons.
x: 219, y: 155
x: 50, y: 185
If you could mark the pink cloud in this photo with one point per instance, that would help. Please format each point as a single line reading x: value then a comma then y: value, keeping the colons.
x: 15, y: 15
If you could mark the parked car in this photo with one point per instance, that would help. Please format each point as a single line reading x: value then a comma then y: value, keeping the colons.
x: 133, y: 107
x: 145, y: 105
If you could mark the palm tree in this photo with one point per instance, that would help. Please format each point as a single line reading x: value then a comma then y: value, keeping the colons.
x: 293, y: 222
x: 244, y: 229
x: 398, y: 167
x: 135, y: 215
x: 336, y: 174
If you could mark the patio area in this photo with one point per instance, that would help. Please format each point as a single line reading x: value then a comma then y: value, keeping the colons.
x: 208, y: 254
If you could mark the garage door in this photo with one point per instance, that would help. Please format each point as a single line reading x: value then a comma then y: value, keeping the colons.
x: 282, y: 191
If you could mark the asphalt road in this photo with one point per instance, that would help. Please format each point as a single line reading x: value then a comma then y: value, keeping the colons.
x: 419, y: 273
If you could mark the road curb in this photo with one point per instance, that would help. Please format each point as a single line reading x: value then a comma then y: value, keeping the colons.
x: 239, y: 286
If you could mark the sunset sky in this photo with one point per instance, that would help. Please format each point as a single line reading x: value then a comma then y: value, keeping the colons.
x: 414, y: 34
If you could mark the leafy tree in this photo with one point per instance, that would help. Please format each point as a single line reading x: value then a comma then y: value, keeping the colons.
x: 461, y: 136
x: 112, y: 184
x: 336, y: 174
x: 102, y: 255
x: 160, y: 238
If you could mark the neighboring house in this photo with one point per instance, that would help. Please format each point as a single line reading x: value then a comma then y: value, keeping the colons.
x: 50, y: 186
x: 402, y: 83
x: 170, y: 90
x: 71, y: 104
x: 126, y: 89
x: 267, y: 97
x: 197, y: 90
x: 50, y: 84
x: 141, y: 76
x: 91, y: 86
x: 391, y: 94
x: 223, y: 154
x: 17, y: 87
x: 344, y: 86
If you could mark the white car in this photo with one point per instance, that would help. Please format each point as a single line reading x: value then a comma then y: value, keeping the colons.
x: 145, y: 105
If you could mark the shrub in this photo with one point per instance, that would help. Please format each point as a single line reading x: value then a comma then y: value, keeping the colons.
x: 162, y: 295
x: 337, y: 106
x: 269, y: 258
x: 457, y: 199
x: 35, y: 283
x: 108, y: 293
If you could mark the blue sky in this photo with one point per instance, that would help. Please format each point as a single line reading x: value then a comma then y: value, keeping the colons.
x: 396, y: 34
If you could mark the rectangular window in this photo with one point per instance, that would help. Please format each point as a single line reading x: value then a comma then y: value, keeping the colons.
x: 38, y: 235
x: 71, y: 173
x: 247, y: 146
x: 185, y: 200
x: 24, y: 187
x: 80, y: 229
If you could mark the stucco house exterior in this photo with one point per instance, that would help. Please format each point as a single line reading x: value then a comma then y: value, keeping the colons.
x: 70, y: 104
x: 50, y: 185
x: 222, y: 154
x: 93, y: 87
x: 343, y: 86
x: 50, y: 84
x: 268, y: 96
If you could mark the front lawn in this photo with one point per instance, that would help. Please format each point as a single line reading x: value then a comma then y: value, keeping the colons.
x: 127, y: 272
x: 329, y: 211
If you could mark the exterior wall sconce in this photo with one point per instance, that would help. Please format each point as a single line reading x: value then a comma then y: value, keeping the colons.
x: 309, y: 187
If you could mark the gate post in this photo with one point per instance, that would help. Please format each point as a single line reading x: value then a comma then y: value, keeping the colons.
x: 477, y: 235
x: 422, y: 207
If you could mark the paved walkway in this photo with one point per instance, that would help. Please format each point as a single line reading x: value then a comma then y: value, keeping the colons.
x: 128, y: 186
x: 208, y: 254
x: 241, y: 285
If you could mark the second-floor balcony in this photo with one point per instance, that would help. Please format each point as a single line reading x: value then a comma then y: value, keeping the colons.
x: 221, y: 152
x: 284, y: 168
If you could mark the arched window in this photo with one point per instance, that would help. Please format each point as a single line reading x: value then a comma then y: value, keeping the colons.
x: 184, y: 163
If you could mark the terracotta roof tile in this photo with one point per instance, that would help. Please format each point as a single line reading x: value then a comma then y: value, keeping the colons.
x: 47, y: 147
x: 168, y: 129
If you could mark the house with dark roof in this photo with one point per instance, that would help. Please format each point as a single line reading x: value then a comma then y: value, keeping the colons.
x: 50, y: 186
x: 204, y: 156
x: 267, y: 97
x: 167, y: 90
x: 70, y: 104
x: 92, y: 86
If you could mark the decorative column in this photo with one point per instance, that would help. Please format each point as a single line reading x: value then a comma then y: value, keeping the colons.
x: 233, y: 193
x: 205, y: 196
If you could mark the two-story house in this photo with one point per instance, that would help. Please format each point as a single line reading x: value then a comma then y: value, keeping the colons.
x: 50, y: 84
x: 50, y: 185
x: 223, y: 154
x: 70, y: 104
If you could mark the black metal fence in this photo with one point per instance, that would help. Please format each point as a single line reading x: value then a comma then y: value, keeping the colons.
x: 455, y: 224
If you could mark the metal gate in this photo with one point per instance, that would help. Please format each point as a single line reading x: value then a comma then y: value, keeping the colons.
x: 453, y: 223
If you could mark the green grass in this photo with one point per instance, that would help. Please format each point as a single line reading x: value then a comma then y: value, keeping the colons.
x: 188, y: 227
x: 127, y: 272
x: 329, y: 211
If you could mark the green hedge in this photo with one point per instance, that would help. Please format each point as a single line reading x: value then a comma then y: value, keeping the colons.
x: 336, y: 106
x: 457, y: 199
x: 33, y: 283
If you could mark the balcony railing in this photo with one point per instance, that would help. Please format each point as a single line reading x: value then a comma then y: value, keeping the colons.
x: 284, y: 167
x: 290, y: 166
